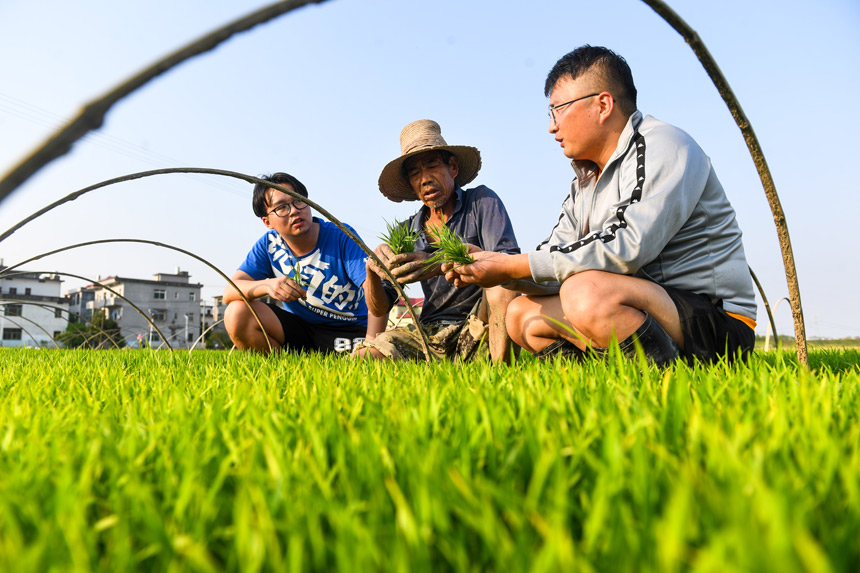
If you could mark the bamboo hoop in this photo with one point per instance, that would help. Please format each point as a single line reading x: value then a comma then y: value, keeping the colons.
x: 698, y: 46
x: 425, y: 344
x: 92, y: 115
x: 764, y: 300
x: 67, y: 311
x: 115, y: 293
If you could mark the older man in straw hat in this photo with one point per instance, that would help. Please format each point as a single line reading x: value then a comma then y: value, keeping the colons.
x: 433, y: 172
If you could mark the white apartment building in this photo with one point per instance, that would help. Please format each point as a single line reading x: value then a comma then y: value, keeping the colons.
x: 32, y: 310
x: 171, y: 301
x: 80, y: 300
x: 215, y: 313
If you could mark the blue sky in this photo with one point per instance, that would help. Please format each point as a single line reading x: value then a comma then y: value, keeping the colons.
x: 324, y: 91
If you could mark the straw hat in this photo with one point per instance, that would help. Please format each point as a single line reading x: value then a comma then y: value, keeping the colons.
x: 418, y: 137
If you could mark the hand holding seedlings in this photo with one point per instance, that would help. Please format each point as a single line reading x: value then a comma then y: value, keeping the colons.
x: 489, y: 269
x: 406, y: 267
x: 397, y: 254
x: 452, y: 249
x: 385, y: 254
x: 413, y: 267
x: 285, y: 289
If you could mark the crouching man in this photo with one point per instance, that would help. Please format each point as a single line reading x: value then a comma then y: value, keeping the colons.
x: 647, y: 247
x: 456, y: 320
x: 310, y: 268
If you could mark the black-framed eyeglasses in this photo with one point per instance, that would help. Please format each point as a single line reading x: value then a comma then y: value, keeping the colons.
x: 553, y: 108
x: 284, y: 209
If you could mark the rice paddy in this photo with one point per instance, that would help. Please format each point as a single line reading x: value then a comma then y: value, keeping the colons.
x: 158, y: 461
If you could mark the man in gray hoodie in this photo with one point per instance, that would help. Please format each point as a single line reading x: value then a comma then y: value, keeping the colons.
x: 647, y: 247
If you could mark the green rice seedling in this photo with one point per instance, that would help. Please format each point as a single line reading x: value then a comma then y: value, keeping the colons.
x: 135, y: 460
x: 399, y: 237
x: 452, y: 249
x: 296, y: 275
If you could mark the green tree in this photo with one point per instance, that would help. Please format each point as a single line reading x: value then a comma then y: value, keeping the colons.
x: 101, y: 332
x: 218, y: 340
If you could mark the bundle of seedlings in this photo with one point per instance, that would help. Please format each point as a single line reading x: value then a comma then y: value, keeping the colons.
x: 296, y: 275
x: 399, y: 237
x: 451, y: 248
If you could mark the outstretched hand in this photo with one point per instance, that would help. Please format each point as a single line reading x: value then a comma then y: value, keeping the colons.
x: 489, y: 269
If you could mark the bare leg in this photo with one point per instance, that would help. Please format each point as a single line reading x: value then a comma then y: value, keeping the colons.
x: 365, y: 352
x: 496, y: 300
x: 601, y: 305
x: 592, y: 307
x: 245, y: 332
x: 531, y: 321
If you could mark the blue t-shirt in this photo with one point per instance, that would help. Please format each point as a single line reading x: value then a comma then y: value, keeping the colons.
x: 332, y: 274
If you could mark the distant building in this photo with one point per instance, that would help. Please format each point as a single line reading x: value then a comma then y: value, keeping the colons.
x: 80, y: 300
x: 215, y: 314
x: 399, y: 313
x: 32, y: 311
x: 171, y: 301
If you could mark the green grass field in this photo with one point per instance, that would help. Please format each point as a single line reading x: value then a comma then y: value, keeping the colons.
x: 787, y: 343
x: 158, y: 461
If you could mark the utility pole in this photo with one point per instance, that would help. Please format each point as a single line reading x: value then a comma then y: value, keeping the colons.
x: 150, y: 327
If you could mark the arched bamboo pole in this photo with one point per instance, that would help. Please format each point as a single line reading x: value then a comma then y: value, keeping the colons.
x: 31, y: 321
x: 764, y: 300
x: 692, y: 38
x: 203, y: 334
x: 250, y: 179
x: 55, y: 308
x: 6, y: 274
x: 5, y: 271
x: 107, y: 288
x: 775, y: 333
x: 92, y: 115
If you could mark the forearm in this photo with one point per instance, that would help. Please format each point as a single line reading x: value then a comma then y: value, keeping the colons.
x: 375, y: 325
x: 516, y: 267
x: 490, y: 269
x: 378, y: 304
x: 250, y: 288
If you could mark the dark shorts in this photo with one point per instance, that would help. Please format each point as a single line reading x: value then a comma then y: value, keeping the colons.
x: 709, y: 333
x: 303, y: 337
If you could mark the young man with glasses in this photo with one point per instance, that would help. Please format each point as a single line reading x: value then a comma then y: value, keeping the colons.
x: 647, y: 248
x: 311, y: 268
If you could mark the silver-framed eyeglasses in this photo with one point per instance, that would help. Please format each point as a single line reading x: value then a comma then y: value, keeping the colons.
x: 284, y: 209
x: 553, y: 108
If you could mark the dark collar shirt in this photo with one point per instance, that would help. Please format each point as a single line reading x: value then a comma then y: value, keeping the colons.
x: 479, y: 218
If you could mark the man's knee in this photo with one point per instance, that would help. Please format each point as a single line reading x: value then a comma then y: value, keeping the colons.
x: 521, y: 313
x: 236, y: 315
x: 500, y: 296
x: 240, y: 320
x: 588, y: 297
